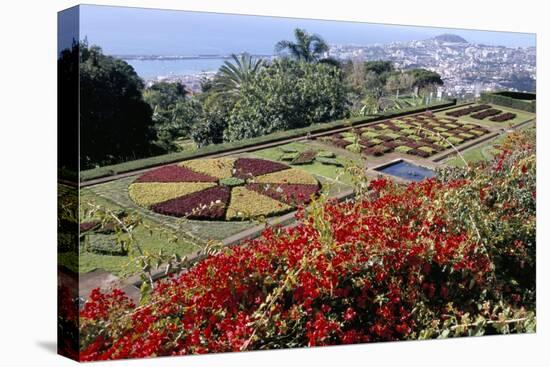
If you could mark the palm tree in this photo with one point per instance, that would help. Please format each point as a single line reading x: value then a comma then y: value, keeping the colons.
x: 233, y: 74
x: 308, y: 47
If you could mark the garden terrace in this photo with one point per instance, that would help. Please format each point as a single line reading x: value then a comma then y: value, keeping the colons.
x: 421, y: 135
x: 433, y: 272
x: 103, y: 174
x: 489, y: 115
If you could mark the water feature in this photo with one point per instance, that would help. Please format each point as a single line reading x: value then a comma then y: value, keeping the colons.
x: 407, y: 171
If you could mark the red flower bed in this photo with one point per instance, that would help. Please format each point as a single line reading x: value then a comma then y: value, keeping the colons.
x: 174, y: 173
x: 207, y: 204
x: 293, y: 194
x: 490, y: 112
x: 250, y: 167
x: 504, y: 117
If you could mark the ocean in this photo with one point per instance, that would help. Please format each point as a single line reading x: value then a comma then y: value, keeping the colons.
x: 151, y: 69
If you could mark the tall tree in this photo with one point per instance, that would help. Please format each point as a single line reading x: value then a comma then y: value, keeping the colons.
x: 306, y: 47
x: 115, y: 121
x: 287, y: 95
x: 233, y: 74
x: 174, y: 113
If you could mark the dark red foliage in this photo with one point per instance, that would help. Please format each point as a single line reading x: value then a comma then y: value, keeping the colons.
x: 385, y: 138
x: 419, y: 153
x: 503, y: 117
x: 490, y: 112
x: 86, y: 226
x: 251, y: 167
x: 340, y: 143
x: 293, y: 194
x: 198, y: 205
x: 468, y: 110
x: 390, y: 144
x: 368, y: 143
x: 175, y: 173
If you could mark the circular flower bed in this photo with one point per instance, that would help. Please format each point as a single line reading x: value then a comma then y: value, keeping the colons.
x: 223, y: 189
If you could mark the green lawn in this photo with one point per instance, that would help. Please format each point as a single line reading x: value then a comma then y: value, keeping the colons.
x: 316, y: 168
x: 522, y: 116
x: 119, y: 265
x: 483, y: 152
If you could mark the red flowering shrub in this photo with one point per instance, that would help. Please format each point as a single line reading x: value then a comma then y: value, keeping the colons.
x: 404, y: 263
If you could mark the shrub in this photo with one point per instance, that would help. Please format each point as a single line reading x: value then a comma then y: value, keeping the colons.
x: 305, y: 157
x: 455, y: 140
x: 402, y: 149
x: 413, y: 267
x: 289, y: 156
x: 232, y: 181
x: 325, y: 154
x: 355, y: 148
x: 428, y: 150
x: 370, y: 134
x: 287, y: 149
x: 329, y: 161
x: 287, y: 95
x: 104, y: 244
x: 520, y: 101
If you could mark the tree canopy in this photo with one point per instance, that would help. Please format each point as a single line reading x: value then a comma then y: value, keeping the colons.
x: 287, y: 95
x: 306, y: 47
x: 115, y: 121
x: 174, y: 113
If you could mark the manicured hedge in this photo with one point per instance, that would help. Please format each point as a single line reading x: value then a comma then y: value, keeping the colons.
x: 519, y: 101
x: 227, y: 147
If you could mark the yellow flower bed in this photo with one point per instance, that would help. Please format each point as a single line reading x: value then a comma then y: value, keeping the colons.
x: 246, y: 204
x: 149, y: 193
x: 219, y: 167
x: 290, y: 176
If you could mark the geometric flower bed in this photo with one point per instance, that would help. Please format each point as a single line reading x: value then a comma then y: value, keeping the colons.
x: 485, y: 113
x: 223, y: 189
x: 468, y: 110
x: 418, y: 135
x: 309, y: 156
x: 503, y: 117
x: 482, y: 111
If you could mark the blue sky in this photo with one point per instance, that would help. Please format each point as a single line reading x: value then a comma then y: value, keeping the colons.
x: 120, y: 30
